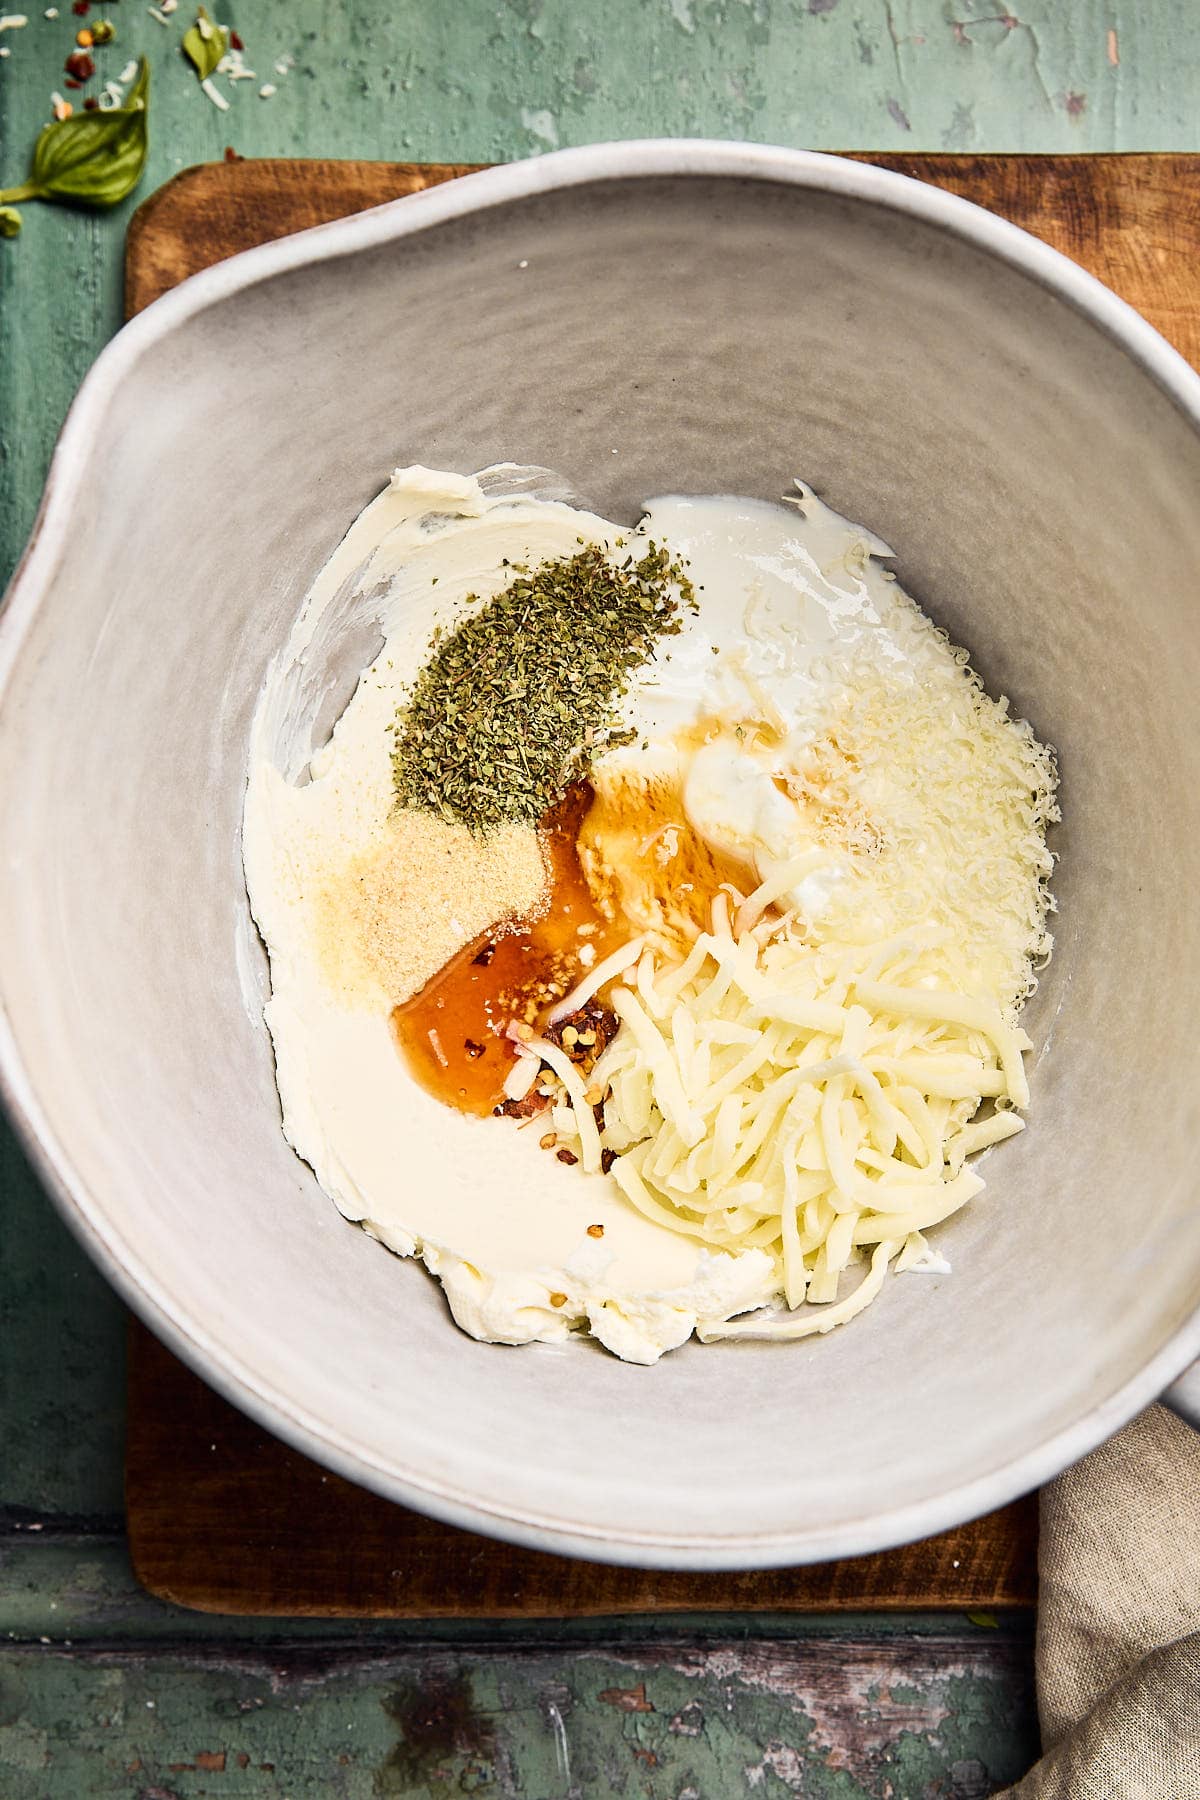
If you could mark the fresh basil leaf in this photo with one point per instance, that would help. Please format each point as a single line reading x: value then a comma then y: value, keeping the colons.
x: 10, y: 221
x: 204, y: 45
x: 95, y: 157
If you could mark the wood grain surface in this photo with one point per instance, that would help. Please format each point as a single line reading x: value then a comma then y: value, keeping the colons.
x: 223, y: 1517
x: 1132, y: 220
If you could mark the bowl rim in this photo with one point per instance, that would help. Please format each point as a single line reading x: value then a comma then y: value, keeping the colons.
x: 168, y: 1314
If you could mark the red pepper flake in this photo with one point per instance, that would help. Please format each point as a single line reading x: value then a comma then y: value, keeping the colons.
x: 72, y: 84
x: 522, y: 1109
x: 231, y: 154
x: 584, y: 1033
x: 607, y: 1159
x: 235, y: 42
x: 596, y: 1231
x: 567, y: 1156
x: 484, y: 956
x: 81, y: 8
x: 80, y: 65
x: 473, y: 1050
x: 91, y: 104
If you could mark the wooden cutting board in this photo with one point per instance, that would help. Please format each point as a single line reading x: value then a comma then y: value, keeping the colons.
x: 223, y: 1517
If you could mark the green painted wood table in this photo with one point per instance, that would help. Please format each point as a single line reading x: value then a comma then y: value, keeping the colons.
x: 104, y: 1691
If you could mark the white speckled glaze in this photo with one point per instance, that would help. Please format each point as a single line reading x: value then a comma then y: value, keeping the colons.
x: 683, y: 316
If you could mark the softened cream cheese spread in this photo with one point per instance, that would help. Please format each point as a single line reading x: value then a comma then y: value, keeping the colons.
x: 799, y: 627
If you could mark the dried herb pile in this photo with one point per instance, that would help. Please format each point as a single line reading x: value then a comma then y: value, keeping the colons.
x: 516, y: 701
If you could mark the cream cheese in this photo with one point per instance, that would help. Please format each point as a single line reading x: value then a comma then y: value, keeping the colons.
x: 792, y: 599
x: 502, y: 1225
x: 792, y: 603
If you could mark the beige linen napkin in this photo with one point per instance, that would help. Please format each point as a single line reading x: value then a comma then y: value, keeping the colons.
x: 1118, y: 1636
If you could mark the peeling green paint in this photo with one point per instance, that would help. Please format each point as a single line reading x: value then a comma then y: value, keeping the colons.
x: 844, y: 1706
x: 424, y: 1725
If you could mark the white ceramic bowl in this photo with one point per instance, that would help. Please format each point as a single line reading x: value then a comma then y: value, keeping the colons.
x: 701, y: 317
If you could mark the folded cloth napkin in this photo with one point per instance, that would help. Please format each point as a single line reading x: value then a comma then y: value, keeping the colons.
x: 1118, y: 1634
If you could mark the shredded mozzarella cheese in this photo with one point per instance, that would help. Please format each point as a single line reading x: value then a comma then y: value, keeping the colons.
x: 816, y: 1102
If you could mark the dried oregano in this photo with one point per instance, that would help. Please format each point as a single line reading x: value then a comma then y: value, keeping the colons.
x: 516, y: 701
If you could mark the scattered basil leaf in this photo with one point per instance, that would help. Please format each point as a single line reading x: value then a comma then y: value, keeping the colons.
x: 95, y: 158
x: 10, y: 221
x: 204, y: 45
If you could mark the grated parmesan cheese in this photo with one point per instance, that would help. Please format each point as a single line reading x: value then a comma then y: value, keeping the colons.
x: 958, y: 795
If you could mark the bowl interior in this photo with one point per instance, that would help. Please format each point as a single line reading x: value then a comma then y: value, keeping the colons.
x: 687, y: 333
